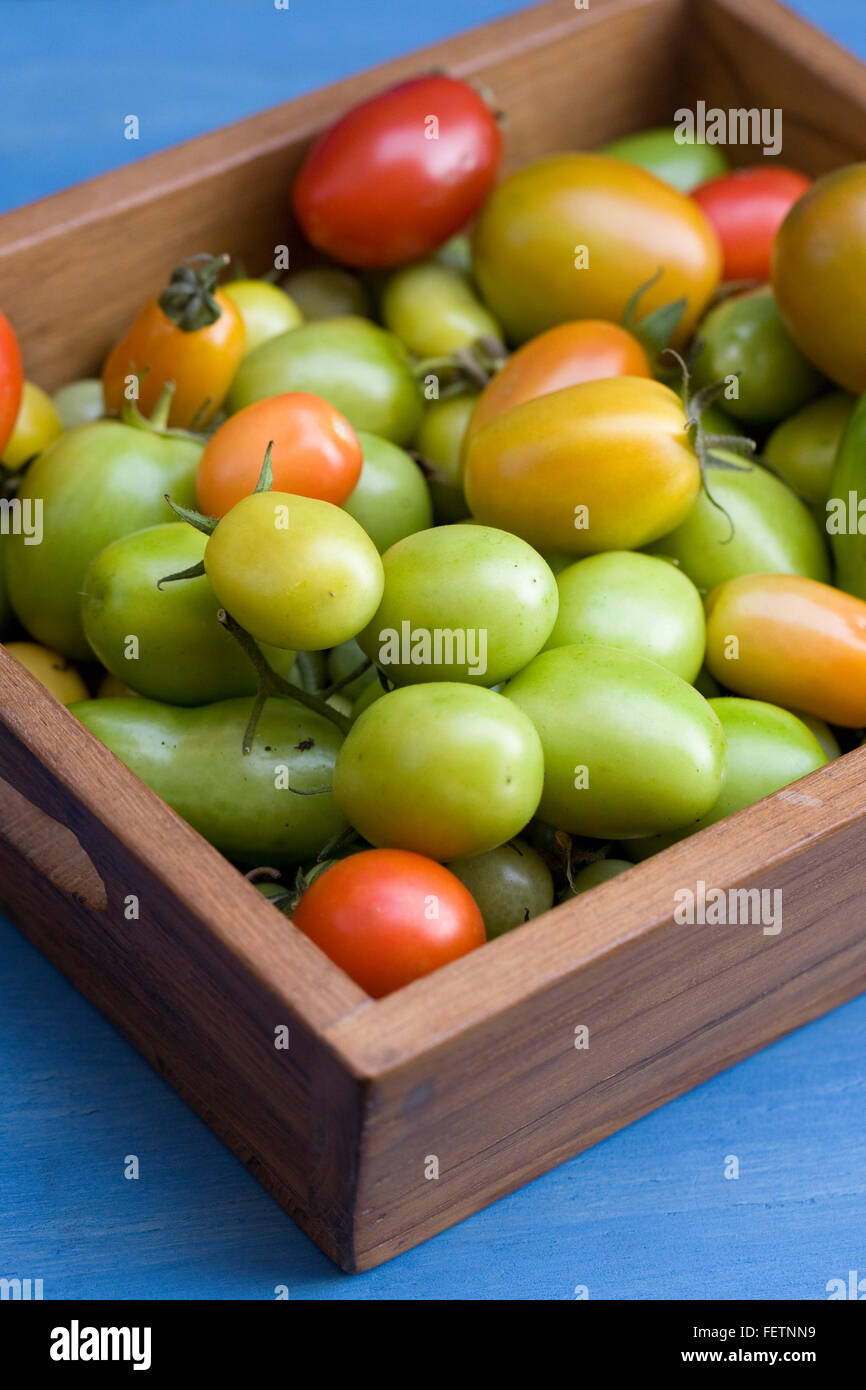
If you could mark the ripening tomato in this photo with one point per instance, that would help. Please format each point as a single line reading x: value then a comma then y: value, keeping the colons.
x: 574, y: 235
x: 399, y: 174
x: 563, y: 356
x: 747, y: 207
x: 37, y: 425
x: 792, y: 641
x: 606, y: 465
x: 388, y: 916
x: 193, y: 335
x: 11, y: 380
x: 316, y: 452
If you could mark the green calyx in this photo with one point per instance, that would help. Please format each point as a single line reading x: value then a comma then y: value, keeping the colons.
x: 704, y: 444
x: 189, y: 299
x: 655, y: 330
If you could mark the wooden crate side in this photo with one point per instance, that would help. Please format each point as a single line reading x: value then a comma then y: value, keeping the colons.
x: 75, y: 267
x: 480, y: 1068
x: 203, y: 977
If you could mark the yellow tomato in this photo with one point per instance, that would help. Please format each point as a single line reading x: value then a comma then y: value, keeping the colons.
x: 605, y: 465
x: 267, y: 311
x: 36, y: 426
x: 51, y: 669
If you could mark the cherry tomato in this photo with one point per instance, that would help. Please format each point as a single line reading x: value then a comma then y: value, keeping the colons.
x: 439, y: 441
x: 79, y: 402
x: 434, y: 310
x: 791, y: 641
x: 510, y: 884
x: 819, y: 275
x: 316, y: 452
x: 595, y: 873
x: 684, y: 164
x: 387, y: 917
x: 265, y: 309
x: 563, y: 356
x: 574, y: 235
x: 327, y: 292
x: 606, y: 465
x: 391, y: 498
x: 11, y: 380
x: 399, y: 174
x: 803, y: 448
x: 51, y: 669
x: 37, y: 425
x: 747, y: 207
x: 193, y: 335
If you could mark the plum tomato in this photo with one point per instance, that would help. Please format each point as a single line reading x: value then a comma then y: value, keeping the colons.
x: 51, y: 669
x: 682, y: 163
x: 36, y: 426
x: 511, y: 884
x: 265, y: 309
x: 11, y: 380
x: 747, y: 207
x: 391, y: 498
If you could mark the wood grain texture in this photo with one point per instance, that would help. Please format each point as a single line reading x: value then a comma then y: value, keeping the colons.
x: 475, y: 1065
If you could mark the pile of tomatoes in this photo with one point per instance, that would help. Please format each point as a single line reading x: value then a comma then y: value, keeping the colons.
x: 490, y: 551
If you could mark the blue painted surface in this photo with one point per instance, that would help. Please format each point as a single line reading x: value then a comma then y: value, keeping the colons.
x: 649, y: 1213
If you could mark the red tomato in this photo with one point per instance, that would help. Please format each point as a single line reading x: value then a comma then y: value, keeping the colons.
x: 316, y: 453
x: 388, y: 916
x: 11, y: 379
x: 747, y: 207
x: 399, y: 174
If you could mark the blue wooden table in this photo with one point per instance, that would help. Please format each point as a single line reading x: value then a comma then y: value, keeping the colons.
x: 653, y: 1212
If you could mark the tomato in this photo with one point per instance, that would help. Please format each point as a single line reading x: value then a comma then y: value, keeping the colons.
x: 635, y: 603
x: 79, y: 402
x: 460, y: 603
x: 294, y: 571
x: 510, y: 884
x: 315, y: 453
x: 97, y: 483
x: 51, y: 670
x: 266, y: 310
x: 606, y: 465
x: 166, y: 642
x: 747, y: 207
x: 11, y: 380
x: 110, y: 688
x: 400, y: 173
x: 574, y: 235
x: 819, y: 275
x: 745, y: 338
x: 792, y: 641
x: 447, y: 770
x: 37, y: 425
x: 327, y: 291
x: 439, y: 441
x: 391, y: 498
x: 767, y: 748
x: 824, y: 735
x: 593, y: 874
x: 5, y: 610
x: 802, y: 448
x: 846, y: 505
x: 629, y: 748
x: 193, y: 335
x: 563, y: 356
x: 241, y: 803
x: 434, y: 310
x: 757, y: 526
x: 684, y: 164
x: 359, y: 367
x: 387, y: 917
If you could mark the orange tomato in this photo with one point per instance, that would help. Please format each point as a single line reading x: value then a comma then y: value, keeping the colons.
x: 792, y: 641
x: 563, y: 356
x: 193, y: 335
x: 316, y: 452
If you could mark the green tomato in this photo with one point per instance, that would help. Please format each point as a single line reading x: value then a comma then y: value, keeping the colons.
x: 80, y: 402
x: 767, y: 748
x: 460, y: 603
x: 5, y: 610
x: 773, y: 531
x: 629, y: 748
x: 803, y: 448
x: 345, y: 659
x: 822, y: 732
x: 845, y: 521
x: 593, y: 874
x: 745, y: 337
x: 267, y: 311
x: 633, y: 602
x: 328, y: 292
x: 294, y: 571
x: 434, y: 310
x: 95, y: 484
x: 439, y: 441
x: 456, y: 253
x: 511, y: 885
x: 683, y: 165
x: 245, y: 805
x: 360, y: 368
x: 391, y: 498
x: 706, y: 684
x: 373, y: 690
x: 167, y: 643
x: 447, y: 770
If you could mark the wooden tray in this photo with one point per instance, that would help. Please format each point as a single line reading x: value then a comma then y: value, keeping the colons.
x: 477, y: 1064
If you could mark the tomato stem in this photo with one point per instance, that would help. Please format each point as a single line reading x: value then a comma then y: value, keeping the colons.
x: 188, y: 300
